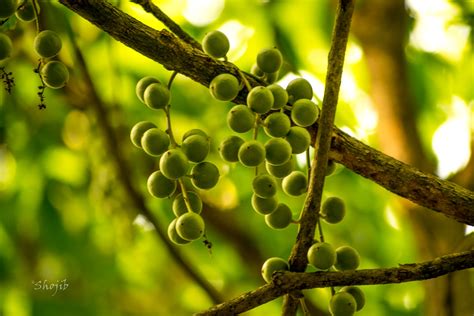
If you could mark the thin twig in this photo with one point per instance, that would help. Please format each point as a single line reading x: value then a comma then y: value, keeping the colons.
x: 310, y: 215
x: 149, y: 7
x: 285, y: 282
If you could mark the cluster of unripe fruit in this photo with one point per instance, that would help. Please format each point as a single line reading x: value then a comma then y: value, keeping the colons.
x: 54, y: 73
x: 24, y: 12
x: 265, y: 107
x: 47, y: 44
x: 178, y: 163
x: 323, y: 256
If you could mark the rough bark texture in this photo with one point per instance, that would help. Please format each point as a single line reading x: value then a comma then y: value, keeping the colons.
x: 284, y: 282
x: 310, y: 215
x: 404, y: 180
x: 173, y: 54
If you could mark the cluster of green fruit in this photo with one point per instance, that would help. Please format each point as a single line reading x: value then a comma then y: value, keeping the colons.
x: 54, y: 73
x: 323, y: 256
x: 174, y: 164
x: 265, y: 107
x: 24, y: 12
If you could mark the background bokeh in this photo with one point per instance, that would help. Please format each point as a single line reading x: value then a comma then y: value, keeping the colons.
x: 64, y: 214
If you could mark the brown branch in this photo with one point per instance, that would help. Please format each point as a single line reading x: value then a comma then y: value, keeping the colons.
x: 164, y: 48
x: 284, y: 282
x: 149, y: 7
x: 123, y: 170
x: 404, y: 273
x: 424, y: 189
x: 310, y: 215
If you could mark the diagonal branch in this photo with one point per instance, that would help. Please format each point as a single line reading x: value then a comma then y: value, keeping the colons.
x: 149, y: 7
x: 284, y: 282
x: 163, y: 47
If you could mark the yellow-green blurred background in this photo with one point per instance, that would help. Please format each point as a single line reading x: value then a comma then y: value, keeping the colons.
x: 64, y: 214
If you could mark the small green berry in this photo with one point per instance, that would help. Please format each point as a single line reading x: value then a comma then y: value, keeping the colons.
x: 295, y: 183
x: 251, y: 153
x: 157, y: 96
x: 271, y: 265
x: 142, y: 84
x: 47, y: 44
x: 160, y: 186
x: 224, y: 87
x: 280, y: 218
x: 215, y: 44
x: 55, y: 74
x: 269, y: 60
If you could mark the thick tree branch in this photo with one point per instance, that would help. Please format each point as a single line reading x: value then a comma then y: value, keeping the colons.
x: 284, y: 282
x: 310, y: 215
x: 164, y: 48
x: 424, y: 189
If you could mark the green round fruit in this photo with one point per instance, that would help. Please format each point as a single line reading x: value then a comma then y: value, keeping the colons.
x: 264, y: 185
x: 47, y: 44
x: 174, y: 164
x: 333, y: 210
x: 299, y: 139
x: 7, y: 8
x: 358, y: 295
x: 281, y: 171
x: 304, y: 112
x: 342, y: 304
x: 295, y: 183
x: 264, y: 206
x: 260, y: 99
x: 194, y: 131
x: 157, y: 96
x: 138, y: 130
x: 224, y: 87
x: 215, y: 44
x: 278, y: 151
x: 196, y: 148
x: 155, y: 142
x: 160, y: 186
x: 280, y: 96
x: 251, y: 153
x: 173, y: 234
x: 142, y: 84
x: 229, y: 148
x: 299, y: 88
x: 271, y: 265
x: 240, y: 119
x: 26, y: 12
x: 269, y: 60
x: 280, y: 218
x: 277, y: 125
x: 205, y: 175
x: 322, y: 255
x: 55, y: 74
x: 6, y: 46
x: 256, y: 71
x: 347, y: 258
x: 190, y: 226
x: 180, y: 207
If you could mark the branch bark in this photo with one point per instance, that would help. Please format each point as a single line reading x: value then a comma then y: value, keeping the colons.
x: 310, y: 215
x: 164, y: 48
x: 284, y: 282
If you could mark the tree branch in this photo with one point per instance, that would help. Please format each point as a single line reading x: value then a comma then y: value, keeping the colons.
x: 164, y: 48
x: 149, y: 7
x: 310, y: 215
x: 284, y: 282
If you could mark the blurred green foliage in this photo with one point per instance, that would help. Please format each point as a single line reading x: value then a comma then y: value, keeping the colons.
x: 64, y: 215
